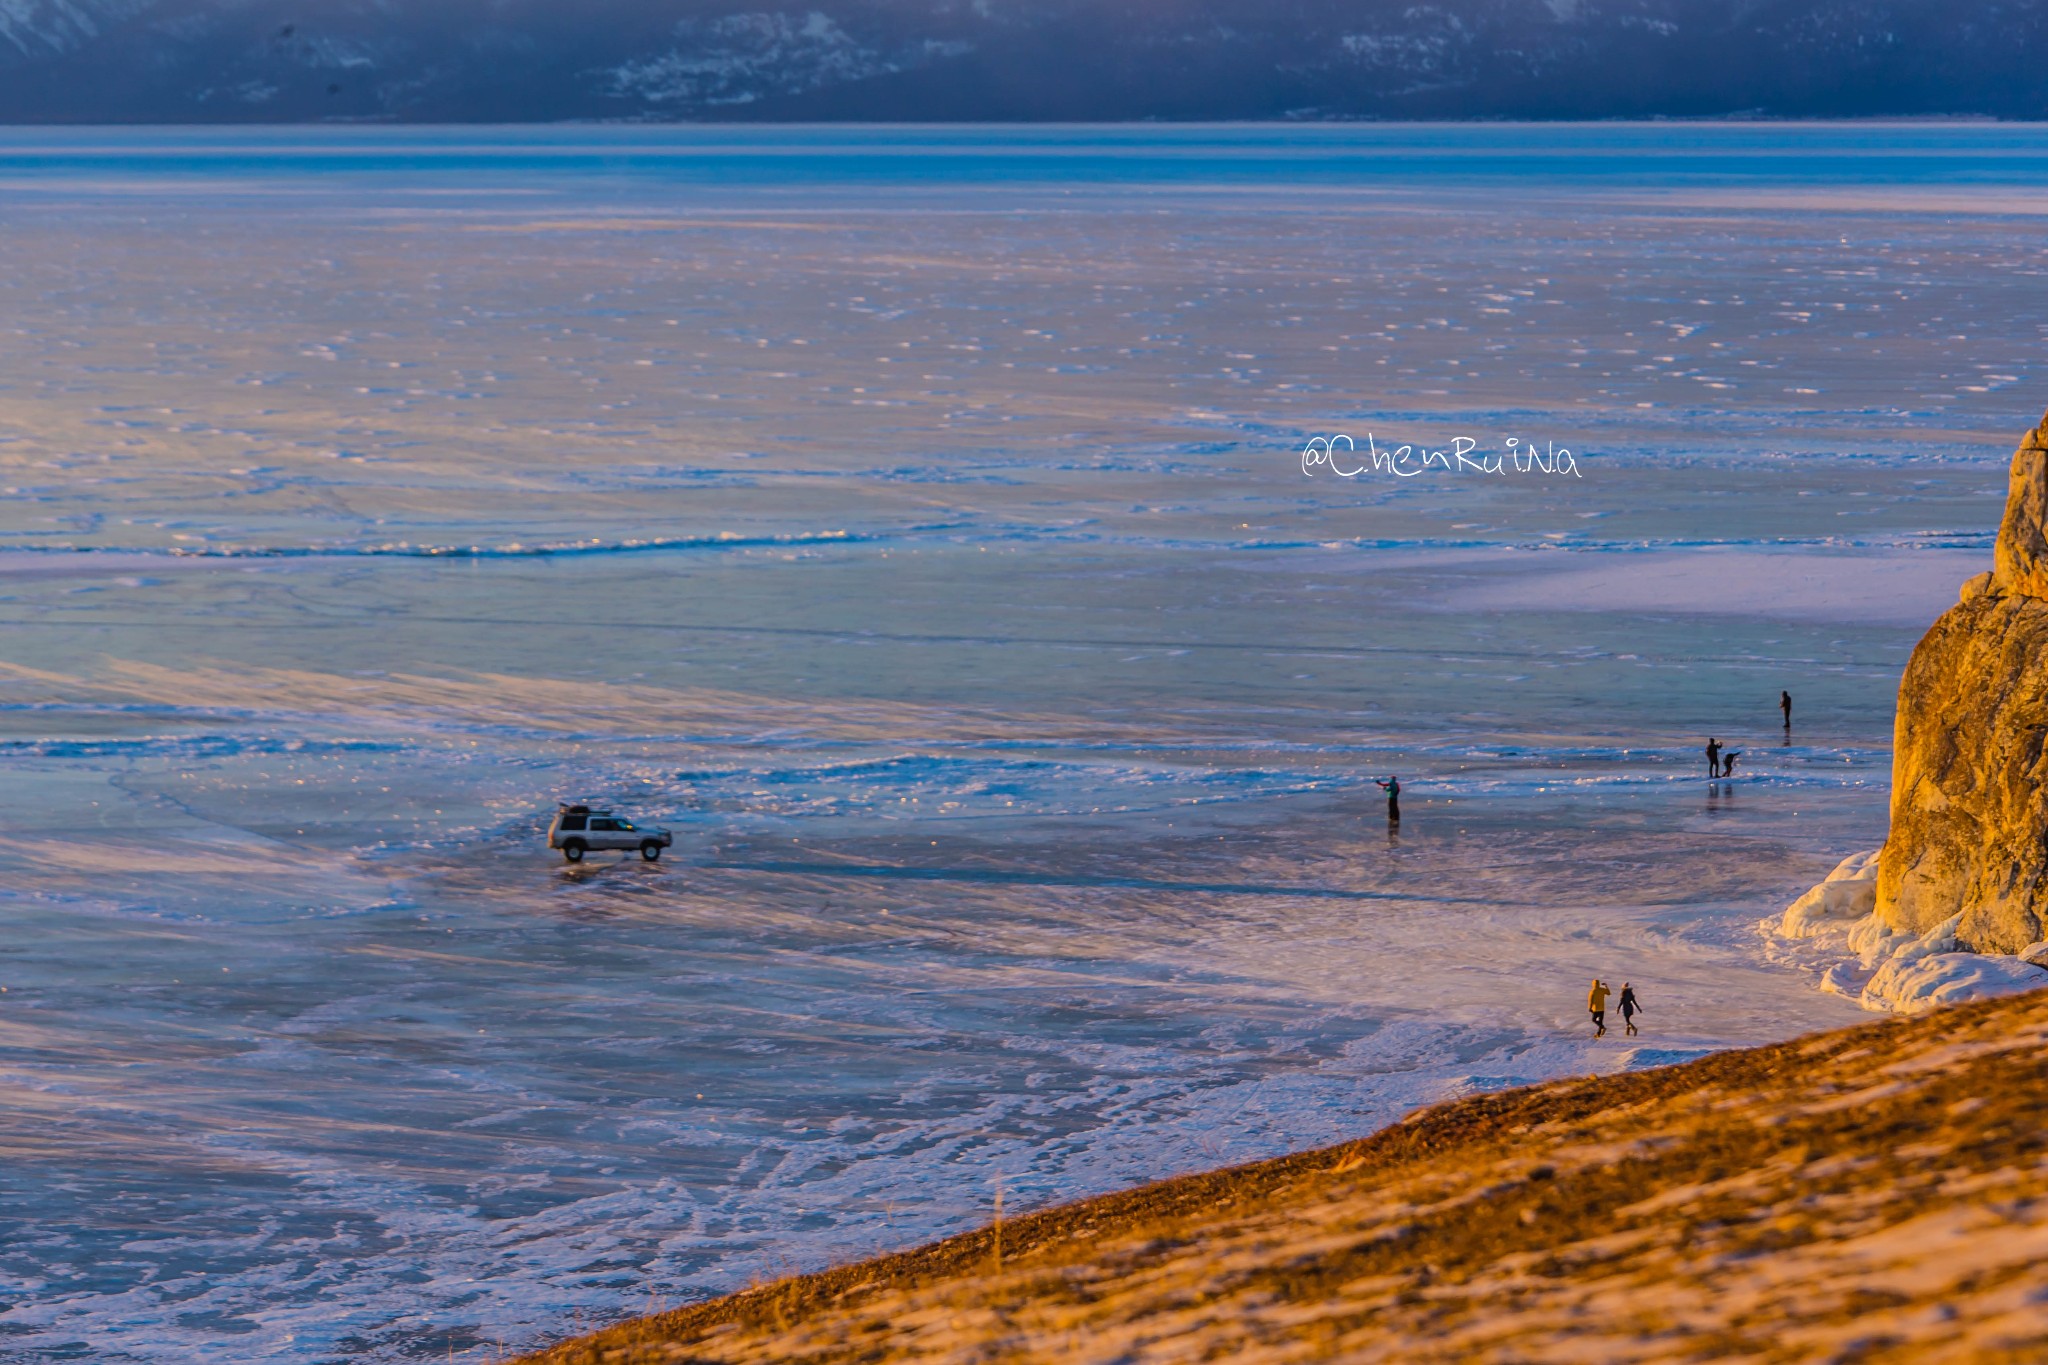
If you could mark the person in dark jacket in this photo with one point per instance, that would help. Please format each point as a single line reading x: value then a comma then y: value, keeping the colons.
x: 1392, y: 787
x: 1629, y: 1006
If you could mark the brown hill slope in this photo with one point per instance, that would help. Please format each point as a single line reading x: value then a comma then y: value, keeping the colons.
x: 1874, y: 1194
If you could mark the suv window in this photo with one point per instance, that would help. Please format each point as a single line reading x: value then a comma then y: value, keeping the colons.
x: 622, y: 824
x: 574, y: 821
x: 600, y: 822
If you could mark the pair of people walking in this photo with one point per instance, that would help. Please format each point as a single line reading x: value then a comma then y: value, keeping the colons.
x: 1596, y: 1005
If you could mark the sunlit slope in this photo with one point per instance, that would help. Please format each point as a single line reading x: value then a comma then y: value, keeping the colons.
x: 1875, y: 1193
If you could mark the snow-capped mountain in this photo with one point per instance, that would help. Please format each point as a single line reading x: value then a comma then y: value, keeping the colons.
x: 516, y: 60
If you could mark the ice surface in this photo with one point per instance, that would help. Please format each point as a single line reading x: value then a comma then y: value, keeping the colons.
x: 916, y: 524
x: 1905, y: 589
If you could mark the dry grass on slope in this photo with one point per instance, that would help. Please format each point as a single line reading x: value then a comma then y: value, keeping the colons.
x: 1874, y: 1194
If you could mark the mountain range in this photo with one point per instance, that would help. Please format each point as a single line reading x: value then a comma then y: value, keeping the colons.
x: 228, y: 61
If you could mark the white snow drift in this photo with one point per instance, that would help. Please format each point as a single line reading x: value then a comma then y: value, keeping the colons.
x: 1834, y: 929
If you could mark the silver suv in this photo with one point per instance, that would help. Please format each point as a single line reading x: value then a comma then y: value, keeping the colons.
x: 578, y: 829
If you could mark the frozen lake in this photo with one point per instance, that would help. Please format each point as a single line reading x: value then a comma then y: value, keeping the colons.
x: 915, y: 521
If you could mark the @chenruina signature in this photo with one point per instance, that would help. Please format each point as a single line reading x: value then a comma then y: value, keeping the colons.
x: 1341, y: 456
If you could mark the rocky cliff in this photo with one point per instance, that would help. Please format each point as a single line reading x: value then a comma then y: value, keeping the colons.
x: 1969, y: 818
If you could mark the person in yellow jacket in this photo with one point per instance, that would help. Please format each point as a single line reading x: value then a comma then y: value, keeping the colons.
x: 1596, y: 1004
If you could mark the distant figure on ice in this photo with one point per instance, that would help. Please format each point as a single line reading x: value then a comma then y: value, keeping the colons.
x: 1629, y: 1006
x: 1728, y: 762
x: 1785, y: 705
x: 1392, y: 787
x: 1713, y: 757
x: 1596, y: 1005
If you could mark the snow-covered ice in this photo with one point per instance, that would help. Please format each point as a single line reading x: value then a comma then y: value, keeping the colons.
x: 919, y: 531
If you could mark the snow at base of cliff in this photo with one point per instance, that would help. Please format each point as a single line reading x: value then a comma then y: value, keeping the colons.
x: 1833, y: 930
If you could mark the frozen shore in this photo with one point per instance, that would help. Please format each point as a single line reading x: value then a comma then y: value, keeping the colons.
x: 1834, y: 931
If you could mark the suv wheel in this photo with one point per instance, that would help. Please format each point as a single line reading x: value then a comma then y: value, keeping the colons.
x: 650, y: 850
x: 573, y: 850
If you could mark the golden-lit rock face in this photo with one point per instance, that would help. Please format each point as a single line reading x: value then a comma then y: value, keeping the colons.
x: 1969, y: 820
x: 2021, y: 559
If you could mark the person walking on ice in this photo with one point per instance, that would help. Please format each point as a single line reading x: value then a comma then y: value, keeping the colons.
x: 1713, y: 757
x: 1785, y: 705
x: 1596, y: 1005
x: 1629, y: 1006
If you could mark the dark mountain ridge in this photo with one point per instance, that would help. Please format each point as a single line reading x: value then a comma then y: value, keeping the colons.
x: 237, y: 61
